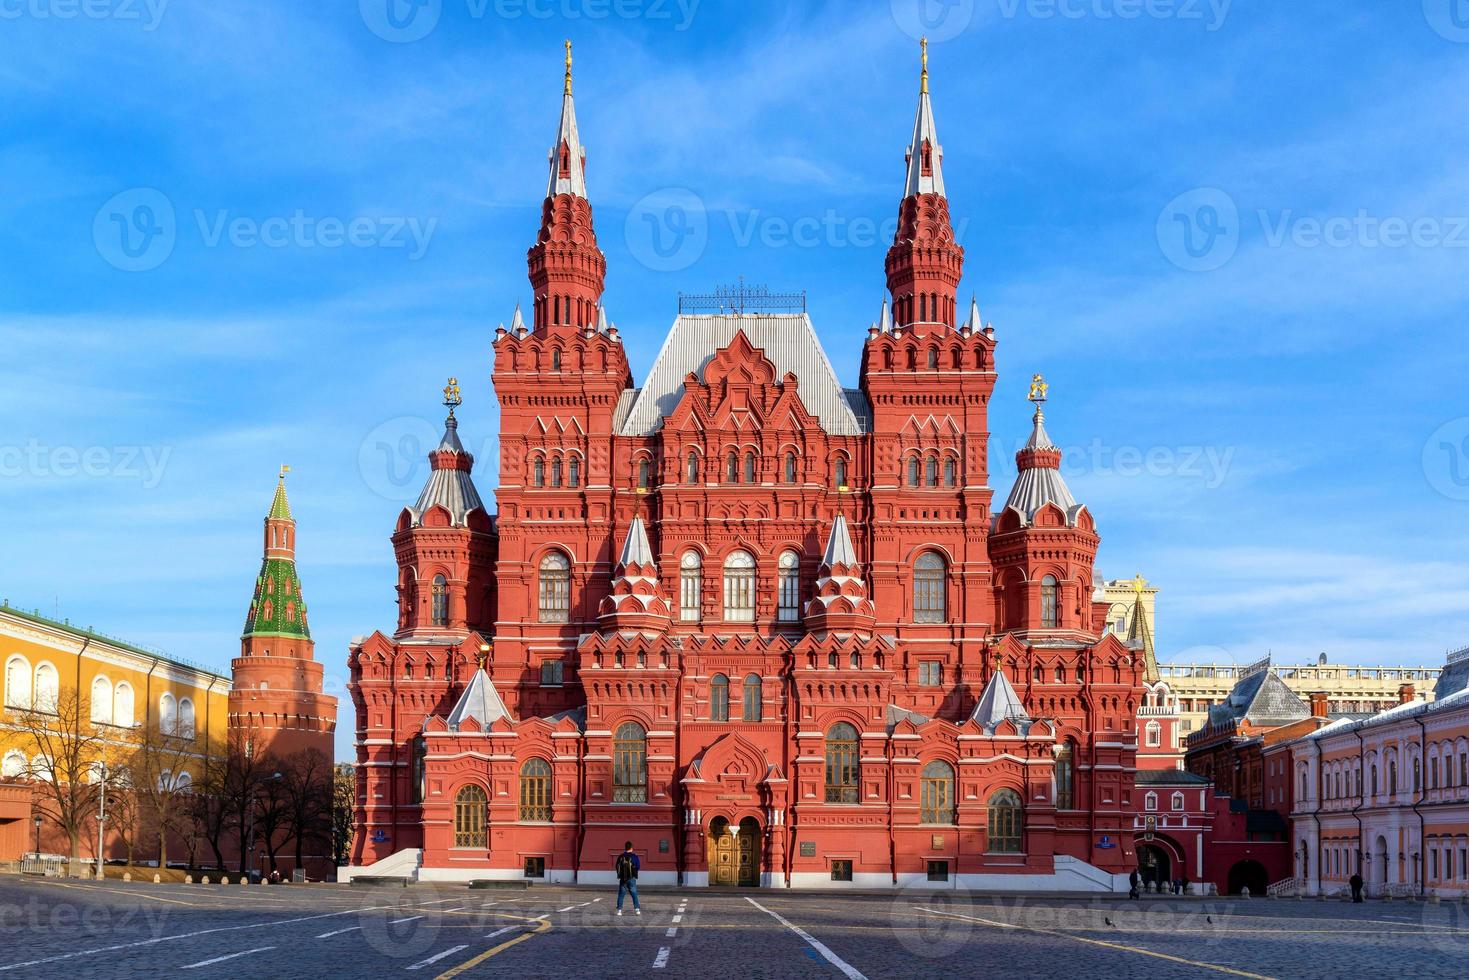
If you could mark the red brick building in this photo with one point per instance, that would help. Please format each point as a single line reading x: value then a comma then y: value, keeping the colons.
x: 772, y: 630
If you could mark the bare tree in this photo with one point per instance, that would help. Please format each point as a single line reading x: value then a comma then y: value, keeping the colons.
x: 67, y: 747
x: 210, y: 810
x: 162, y: 781
x: 307, y: 785
x: 272, y: 810
x: 344, y: 789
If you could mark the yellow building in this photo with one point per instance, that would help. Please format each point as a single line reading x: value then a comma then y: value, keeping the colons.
x: 125, y: 692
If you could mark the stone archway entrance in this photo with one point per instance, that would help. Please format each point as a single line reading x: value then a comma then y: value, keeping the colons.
x: 1248, y: 874
x: 1155, y: 867
x: 734, y: 852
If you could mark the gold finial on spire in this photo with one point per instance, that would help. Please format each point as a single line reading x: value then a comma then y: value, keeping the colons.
x: 1139, y: 584
x: 923, y: 45
x: 452, y: 398
x: 284, y: 470
x: 1038, y: 389
x: 568, y: 66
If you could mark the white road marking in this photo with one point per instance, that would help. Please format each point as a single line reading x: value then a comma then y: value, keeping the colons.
x: 678, y: 918
x: 851, y: 972
x: 338, y: 932
x: 221, y: 959
x: 661, y: 960
x: 447, y: 911
x: 672, y: 931
x: 183, y: 935
x: 410, y: 918
x: 438, y: 956
x: 501, y: 932
x: 441, y: 901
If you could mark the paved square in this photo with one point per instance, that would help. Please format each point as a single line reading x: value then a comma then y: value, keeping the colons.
x: 55, y: 928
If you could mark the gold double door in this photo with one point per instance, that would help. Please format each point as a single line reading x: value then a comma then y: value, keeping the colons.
x: 734, y: 857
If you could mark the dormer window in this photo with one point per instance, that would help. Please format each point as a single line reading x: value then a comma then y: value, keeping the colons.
x: 565, y: 167
x: 926, y: 159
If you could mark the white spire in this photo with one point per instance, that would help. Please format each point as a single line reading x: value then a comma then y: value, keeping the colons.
x: 568, y: 159
x: 999, y: 702
x: 974, y: 320
x: 517, y: 322
x: 925, y: 171
x: 479, y: 701
x: 839, y: 550
x: 885, y: 320
x: 635, y: 547
x: 601, y: 318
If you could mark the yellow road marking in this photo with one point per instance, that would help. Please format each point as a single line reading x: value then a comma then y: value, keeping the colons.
x: 1103, y: 943
x: 542, y: 925
x: 117, y: 891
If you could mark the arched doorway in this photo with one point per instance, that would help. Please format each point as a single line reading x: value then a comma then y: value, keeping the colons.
x: 1251, y: 875
x: 734, y: 852
x: 1379, y: 866
x: 1154, y: 866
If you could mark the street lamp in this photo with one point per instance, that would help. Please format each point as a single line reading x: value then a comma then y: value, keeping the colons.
x: 101, y: 814
x: 38, y: 835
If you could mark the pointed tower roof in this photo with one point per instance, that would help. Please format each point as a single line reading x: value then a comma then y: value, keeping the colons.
x: 999, y: 702
x: 635, y: 601
x: 839, y: 550
x: 885, y: 319
x: 517, y: 322
x: 1039, y: 481
x: 925, y: 155
x: 635, y: 547
x: 841, y: 603
x: 1139, y: 632
x: 277, y: 607
x: 479, y: 701
x: 449, y: 483
x: 568, y: 158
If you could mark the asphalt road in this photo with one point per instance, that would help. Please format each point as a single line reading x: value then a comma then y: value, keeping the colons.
x: 80, y: 929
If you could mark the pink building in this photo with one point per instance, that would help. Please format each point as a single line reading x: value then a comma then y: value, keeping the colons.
x: 1388, y: 796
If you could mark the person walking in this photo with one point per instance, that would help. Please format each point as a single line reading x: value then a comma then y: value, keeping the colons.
x: 627, y: 878
x: 1356, y: 882
x: 1132, y: 885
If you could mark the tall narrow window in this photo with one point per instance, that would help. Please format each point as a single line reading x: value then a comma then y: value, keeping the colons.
x: 48, y: 688
x: 752, y: 704
x: 928, y: 588
x: 556, y: 473
x: 789, y: 582
x: 1066, y: 776
x: 739, y: 588
x: 933, y: 359
x: 122, y: 705
x: 101, y: 701
x: 470, y: 812
x: 936, y: 793
x: 732, y: 468
x: 950, y: 473
x: 842, y: 768
x: 690, y: 586
x: 630, y: 764
x: 556, y: 360
x: 749, y: 467
x: 573, y: 472
x: 441, y: 601
x: 418, y: 770
x: 840, y: 471
x: 1005, y: 823
x: 18, y: 684
x: 913, y: 465
x: 186, y: 718
x: 691, y: 469
x: 535, y: 790
x: 719, y: 698
x: 790, y: 467
x: 168, y: 715
x: 1049, y: 617
x: 539, y: 469
x: 931, y: 471
x: 555, y: 588
x: 643, y: 473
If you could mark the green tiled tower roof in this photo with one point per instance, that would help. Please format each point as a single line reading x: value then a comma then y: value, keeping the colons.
x: 278, y: 607
x: 280, y: 507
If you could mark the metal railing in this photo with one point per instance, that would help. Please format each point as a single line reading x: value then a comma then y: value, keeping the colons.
x: 1286, y: 886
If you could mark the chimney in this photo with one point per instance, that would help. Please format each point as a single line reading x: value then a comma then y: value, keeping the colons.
x: 1405, y: 693
x: 1319, y: 706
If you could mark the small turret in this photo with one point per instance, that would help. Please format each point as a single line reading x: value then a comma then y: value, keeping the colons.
x: 636, y: 602
x: 841, y: 604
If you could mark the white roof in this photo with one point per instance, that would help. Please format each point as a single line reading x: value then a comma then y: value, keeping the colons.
x: 450, y: 488
x: 635, y: 547
x: 576, y: 182
x: 924, y: 129
x: 787, y: 339
x: 1041, y: 485
x: 839, y: 548
x: 999, y: 702
x: 479, y: 701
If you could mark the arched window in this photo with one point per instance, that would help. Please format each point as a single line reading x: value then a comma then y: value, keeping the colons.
x: 839, y: 471
x: 739, y: 588
x: 168, y: 715
x: 556, y: 360
x: 950, y: 473
x: 936, y: 793
x: 1066, y: 776
x: 14, y: 766
x: 441, y: 601
x: 1005, y: 823
x: 573, y: 471
x: 933, y: 359
x: 630, y: 764
x: 732, y: 468
x: 48, y: 688
x: 539, y: 469
x: 719, y: 698
x: 752, y: 706
x: 471, y: 808
x: 101, y: 701
x: 556, y: 472
x: 842, y: 768
x: 1150, y: 802
x: 750, y: 467
x: 186, y: 718
x: 643, y: 473
x: 1154, y: 734
x: 691, y: 469
x: 183, y: 783
x: 555, y: 588
x: 931, y: 471
x: 1049, y: 619
x: 790, y: 467
x: 928, y: 588
x: 535, y: 790
x: 789, y: 587
x: 913, y: 471
x: 418, y: 773
x: 122, y: 705
x: 690, y: 586
x: 18, y: 684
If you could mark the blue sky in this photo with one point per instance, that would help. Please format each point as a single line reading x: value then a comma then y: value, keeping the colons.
x: 1232, y: 235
